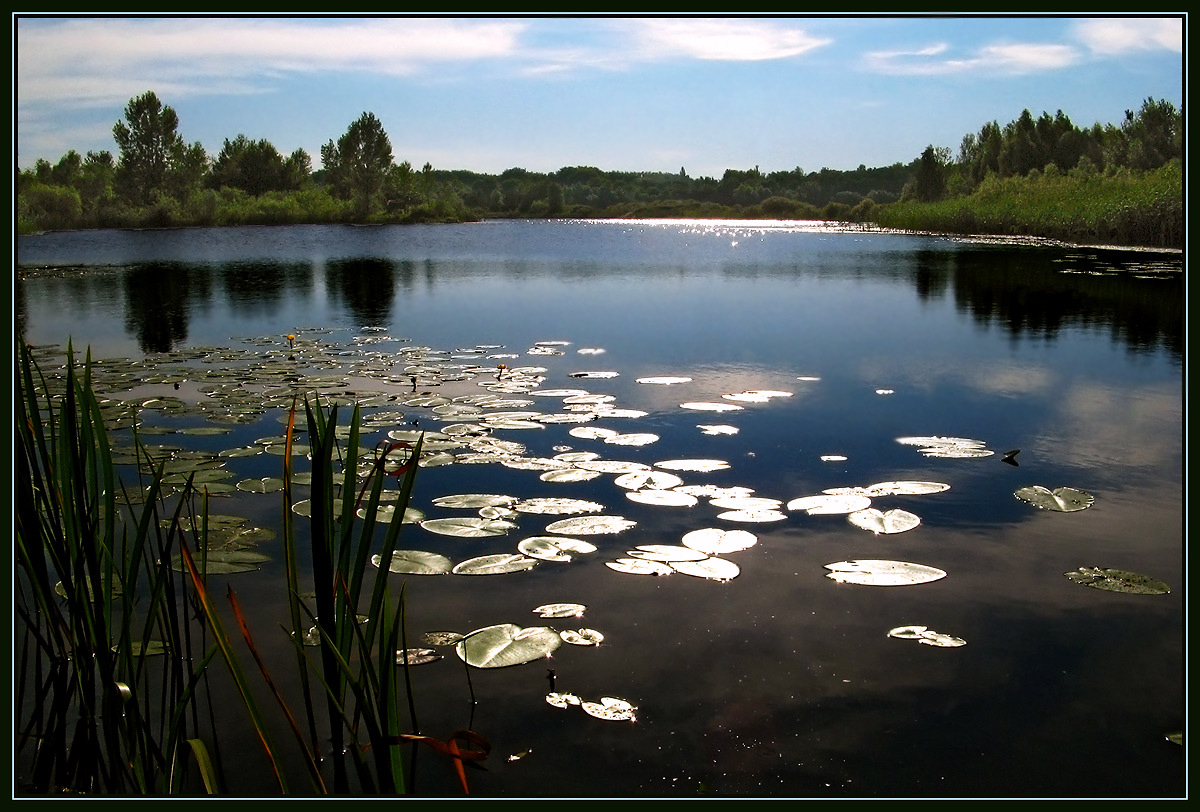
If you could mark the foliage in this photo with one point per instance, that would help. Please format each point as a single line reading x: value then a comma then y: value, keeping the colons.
x: 358, y: 164
x: 153, y: 156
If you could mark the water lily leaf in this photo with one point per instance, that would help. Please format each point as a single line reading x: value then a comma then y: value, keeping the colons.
x: 590, y: 525
x: 592, y: 432
x: 718, y: 429
x: 581, y: 637
x: 473, y: 500
x: 560, y: 506
x: 639, y: 566
x: 878, y: 521
x: 416, y: 562
x: 632, y: 439
x: 267, y: 484
x: 468, y: 526
x: 714, y: 540
x: 507, y: 644
x: 828, y: 503
x: 561, y: 700
x: 664, y: 380
x: 692, y: 465
x: 497, y: 564
x: 497, y: 512
x: 569, y: 475
x: 441, y: 638
x: 757, y: 395
x: 876, y: 572
x: 553, y: 548
x: 1113, y: 580
x: 666, y: 552
x: 715, y: 569
x: 752, y: 516
x: 436, y: 459
x: 245, y: 451
x: 384, y: 514
x: 661, y: 497
x: 417, y: 656
x: 224, y: 562
x: 926, y: 636
x: 560, y: 610
x: 1062, y: 500
x: 904, y: 487
x: 600, y: 374
x: 710, y: 407
x: 655, y: 480
x: 611, y: 709
x: 745, y: 503
x: 613, y: 466
x: 535, y: 464
x: 908, y: 632
x: 576, y: 456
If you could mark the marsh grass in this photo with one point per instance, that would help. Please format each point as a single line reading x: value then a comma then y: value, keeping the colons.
x: 115, y: 645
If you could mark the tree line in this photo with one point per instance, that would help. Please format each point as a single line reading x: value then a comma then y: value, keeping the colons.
x: 157, y: 179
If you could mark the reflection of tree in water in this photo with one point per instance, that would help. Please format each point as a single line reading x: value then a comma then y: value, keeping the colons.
x: 158, y: 297
x: 366, y: 286
x: 255, y: 287
x: 1039, y: 293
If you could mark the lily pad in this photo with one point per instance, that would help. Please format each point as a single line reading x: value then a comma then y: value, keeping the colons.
x: 714, y: 540
x: 652, y: 496
x: 560, y: 610
x: 1062, y: 500
x: 581, y: 637
x: 639, y: 480
x: 553, y: 548
x: 468, y: 526
x: 507, y: 644
x: 639, y: 566
x: 878, y: 521
x: 590, y: 525
x: 904, y: 487
x: 569, y: 475
x: 664, y: 380
x: 877, y: 572
x: 416, y: 562
x: 1113, y: 580
x: 667, y: 553
x: 497, y: 564
x: 473, y: 500
x: 441, y: 638
x: 710, y: 407
x: 715, y: 569
x: 752, y: 516
x: 557, y: 506
x: 926, y: 636
x: 562, y: 700
x: 632, y: 439
x: 692, y: 465
x: 611, y: 709
x: 828, y: 503
x: 417, y: 656
x: 267, y: 484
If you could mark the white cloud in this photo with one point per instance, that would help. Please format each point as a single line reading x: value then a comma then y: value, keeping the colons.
x: 1009, y: 59
x: 1119, y: 35
x: 721, y: 39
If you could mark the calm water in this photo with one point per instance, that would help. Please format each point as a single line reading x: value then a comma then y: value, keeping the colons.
x: 779, y: 682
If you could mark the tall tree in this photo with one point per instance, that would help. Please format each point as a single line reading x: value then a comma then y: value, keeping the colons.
x: 929, y: 181
x: 154, y: 157
x: 358, y: 164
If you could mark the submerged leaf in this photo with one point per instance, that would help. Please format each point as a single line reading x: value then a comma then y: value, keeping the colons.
x: 1113, y: 580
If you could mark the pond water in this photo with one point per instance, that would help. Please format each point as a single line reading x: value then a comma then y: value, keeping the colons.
x: 781, y: 681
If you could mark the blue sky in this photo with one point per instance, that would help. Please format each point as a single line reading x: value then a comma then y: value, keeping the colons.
x: 628, y: 93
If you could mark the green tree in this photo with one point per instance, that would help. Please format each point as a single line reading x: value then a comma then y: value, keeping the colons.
x: 358, y: 164
x: 148, y: 142
x: 256, y: 167
x: 929, y: 180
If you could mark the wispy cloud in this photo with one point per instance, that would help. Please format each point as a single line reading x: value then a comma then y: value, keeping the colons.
x: 1113, y: 36
x: 1005, y: 58
x: 722, y: 39
x: 87, y: 62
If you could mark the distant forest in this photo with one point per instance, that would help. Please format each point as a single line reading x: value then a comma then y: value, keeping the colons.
x: 1118, y: 182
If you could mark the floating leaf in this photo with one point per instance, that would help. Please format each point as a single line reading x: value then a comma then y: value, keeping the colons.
x: 638, y: 566
x: 590, y: 525
x: 1113, y: 580
x: 904, y: 487
x: 611, y: 709
x: 497, y: 564
x: 416, y: 562
x: 693, y: 465
x: 828, y: 503
x: 710, y: 407
x: 613, y: 466
x: 878, y: 521
x: 441, y: 638
x: 417, y: 656
x: 558, y: 506
x: 560, y: 610
x: 752, y: 516
x: 667, y: 552
x: 718, y: 429
x: 569, y: 475
x: 664, y: 380
x: 661, y: 497
x: 632, y: 439
x: 713, y: 540
x: 468, y: 527
x: 267, y: 484
x: 1062, y: 500
x: 716, y: 569
x: 745, y: 503
x: 507, y: 644
x: 473, y: 500
x: 592, y: 433
x: 876, y: 572
x: 553, y: 548
x: 581, y: 637
x: 656, y: 480
x: 560, y: 700
x: 925, y: 635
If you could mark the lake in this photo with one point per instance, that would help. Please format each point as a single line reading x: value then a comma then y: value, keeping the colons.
x: 794, y: 357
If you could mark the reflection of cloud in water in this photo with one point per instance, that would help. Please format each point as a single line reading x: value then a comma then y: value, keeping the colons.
x: 1099, y: 425
x: 709, y: 383
x: 925, y: 374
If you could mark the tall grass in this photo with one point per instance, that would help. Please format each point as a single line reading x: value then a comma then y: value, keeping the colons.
x: 1122, y: 208
x: 118, y: 626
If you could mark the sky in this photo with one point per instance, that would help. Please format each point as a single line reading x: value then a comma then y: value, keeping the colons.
x: 636, y: 93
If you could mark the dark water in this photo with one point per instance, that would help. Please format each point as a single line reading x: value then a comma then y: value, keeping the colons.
x: 779, y: 682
